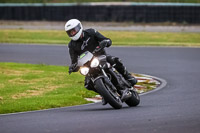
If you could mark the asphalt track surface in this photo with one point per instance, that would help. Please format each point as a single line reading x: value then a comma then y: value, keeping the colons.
x: 173, y: 109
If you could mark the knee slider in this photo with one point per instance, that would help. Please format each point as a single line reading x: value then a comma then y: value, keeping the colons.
x: 111, y: 60
x: 118, y: 61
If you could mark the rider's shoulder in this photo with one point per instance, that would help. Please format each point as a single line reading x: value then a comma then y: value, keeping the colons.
x: 90, y: 31
x: 71, y: 44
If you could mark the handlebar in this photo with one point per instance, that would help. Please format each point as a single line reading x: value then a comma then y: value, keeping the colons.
x: 97, y: 49
x: 74, y: 66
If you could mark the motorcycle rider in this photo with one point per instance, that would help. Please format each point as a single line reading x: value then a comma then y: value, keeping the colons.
x: 90, y: 40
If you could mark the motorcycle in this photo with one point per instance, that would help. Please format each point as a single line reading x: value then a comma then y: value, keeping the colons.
x: 109, y: 83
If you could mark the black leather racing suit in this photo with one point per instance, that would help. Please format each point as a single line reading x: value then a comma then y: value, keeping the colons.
x: 88, y: 42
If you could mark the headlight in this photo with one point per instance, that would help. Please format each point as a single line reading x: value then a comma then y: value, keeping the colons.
x: 84, y: 70
x: 94, y: 63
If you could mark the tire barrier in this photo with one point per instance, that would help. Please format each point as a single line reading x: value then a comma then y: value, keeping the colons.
x: 133, y: 12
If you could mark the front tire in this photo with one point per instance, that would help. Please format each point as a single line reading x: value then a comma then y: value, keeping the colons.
x: 105, y: 91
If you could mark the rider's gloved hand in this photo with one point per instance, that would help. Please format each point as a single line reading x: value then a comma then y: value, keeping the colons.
x: 101, y: 46
x: 103, y: 43
x: 71, y: 68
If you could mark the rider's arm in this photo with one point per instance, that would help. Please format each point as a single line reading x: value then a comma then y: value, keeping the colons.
x: 72, y: 54
x: 74, y: 57
x: 105, y: 41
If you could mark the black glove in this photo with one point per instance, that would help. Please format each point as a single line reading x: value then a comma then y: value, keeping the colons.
x: 103, y: 43
x: 101, y: 46
x: 72, y: 68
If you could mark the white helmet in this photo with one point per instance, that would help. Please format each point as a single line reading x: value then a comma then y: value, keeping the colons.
x: 74, y: 29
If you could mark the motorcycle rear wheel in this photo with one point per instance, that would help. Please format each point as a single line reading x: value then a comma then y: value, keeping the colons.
x: 134, y: 100
x: 104, y: 91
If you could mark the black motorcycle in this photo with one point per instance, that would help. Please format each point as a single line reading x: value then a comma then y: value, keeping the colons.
x: 109, y: 83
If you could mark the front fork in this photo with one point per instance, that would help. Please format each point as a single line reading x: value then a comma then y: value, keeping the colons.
x: 107, y: 80
x: 125, y: 87
x: 121, y: 82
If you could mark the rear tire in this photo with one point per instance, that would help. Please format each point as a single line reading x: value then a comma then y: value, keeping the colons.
x: 104, y: 91
x: 134, y: 100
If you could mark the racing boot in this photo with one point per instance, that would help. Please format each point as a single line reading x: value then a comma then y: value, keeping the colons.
x: 130, y: 78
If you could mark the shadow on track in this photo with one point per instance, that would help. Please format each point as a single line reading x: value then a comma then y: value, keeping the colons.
x: 103, y: 108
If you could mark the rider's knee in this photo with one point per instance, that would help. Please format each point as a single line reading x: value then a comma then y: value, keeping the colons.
x: 111, y: 60
x: 118, y: 61
x: 114, y: 60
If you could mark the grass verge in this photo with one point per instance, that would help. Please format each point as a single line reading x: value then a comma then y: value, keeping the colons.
x: 25, y: 87
x: 119, y: 38
x: 28, y: 87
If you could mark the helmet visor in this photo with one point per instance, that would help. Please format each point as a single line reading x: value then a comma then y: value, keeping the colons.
x: 72, y: 32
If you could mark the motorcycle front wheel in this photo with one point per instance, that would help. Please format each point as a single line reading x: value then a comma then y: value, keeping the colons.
x: 108, y: 94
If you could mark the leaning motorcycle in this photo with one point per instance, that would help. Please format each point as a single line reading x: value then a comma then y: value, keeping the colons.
x: 109, y: 83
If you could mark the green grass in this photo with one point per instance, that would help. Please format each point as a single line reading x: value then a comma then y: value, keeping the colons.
x: 25, y: 87
x: 119, y: 38
x: 33, y: 36
x: 28, y: 87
